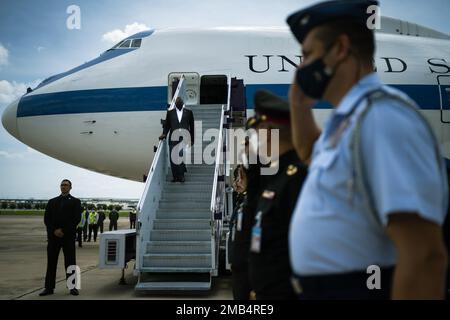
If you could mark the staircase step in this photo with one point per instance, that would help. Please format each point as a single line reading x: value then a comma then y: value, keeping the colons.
x: 183, y: 214
x: 192, y: 181
x: 178, y: 247
x: 179, y: 206
x: 163, y: 260
x: 180, y: 235
x: 186, y: 187
x: 186, y: 196
x: 175, y: 269
x: 173, y: 286
x: 181, y: 188
x: 181, y: 224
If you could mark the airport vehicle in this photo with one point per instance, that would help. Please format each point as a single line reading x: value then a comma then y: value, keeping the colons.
x: 114, y: 104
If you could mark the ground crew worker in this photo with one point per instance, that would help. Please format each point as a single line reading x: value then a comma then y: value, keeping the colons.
x: 101, y: 219
x: 269, y: 266
x: 241, y: 245
x: 376, y: 192
x: 80, y: 228
x: 62, y: 215
x: 93, y: 226
x: 85, y: 226
x: 113, y: 217
x: 132, y: 217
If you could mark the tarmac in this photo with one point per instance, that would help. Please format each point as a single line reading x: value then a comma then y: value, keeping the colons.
x: 23, y: 262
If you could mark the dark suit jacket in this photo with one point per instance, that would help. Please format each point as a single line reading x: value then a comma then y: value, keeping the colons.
x: 63, y: 212
x: 187, y: 122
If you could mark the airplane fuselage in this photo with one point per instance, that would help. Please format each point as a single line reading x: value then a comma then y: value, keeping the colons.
x: 105, y: 117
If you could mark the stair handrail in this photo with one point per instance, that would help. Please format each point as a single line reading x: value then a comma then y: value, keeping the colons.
x: 217, y: 164
x: 179, y: 92
x: 220, y: 154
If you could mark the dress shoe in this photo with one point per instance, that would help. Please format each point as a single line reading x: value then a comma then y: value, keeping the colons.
x: 74, y: 292
x: 46, y: 292
x: 174, y: 180
x: 182, y: 179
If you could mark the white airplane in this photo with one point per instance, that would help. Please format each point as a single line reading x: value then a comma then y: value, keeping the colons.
x: 114, y: 103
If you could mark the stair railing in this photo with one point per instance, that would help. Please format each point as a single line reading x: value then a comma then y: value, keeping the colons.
x: 218, y: 195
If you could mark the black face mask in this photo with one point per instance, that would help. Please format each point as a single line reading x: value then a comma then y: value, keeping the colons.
x: 313, y: 79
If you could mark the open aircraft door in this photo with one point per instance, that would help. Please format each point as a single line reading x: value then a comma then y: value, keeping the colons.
x: 444, y: 97
x: 192, y: 85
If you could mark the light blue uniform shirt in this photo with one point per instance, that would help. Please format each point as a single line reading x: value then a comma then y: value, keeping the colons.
x: 333, y: 229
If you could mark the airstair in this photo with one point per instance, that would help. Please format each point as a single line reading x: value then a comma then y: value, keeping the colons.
x: 180, y: 224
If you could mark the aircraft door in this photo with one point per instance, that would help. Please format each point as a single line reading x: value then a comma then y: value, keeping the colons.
x: 192, y: 81
x: 444, y: 96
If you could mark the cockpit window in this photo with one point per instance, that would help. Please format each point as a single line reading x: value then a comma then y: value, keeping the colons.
x: 136, y: 43
x: 129, y: 43
x: 125, y: 44
x: 116, y: 45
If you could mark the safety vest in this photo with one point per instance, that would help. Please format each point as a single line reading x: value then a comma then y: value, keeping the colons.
x: 92, y: 218
x: 82, y: 221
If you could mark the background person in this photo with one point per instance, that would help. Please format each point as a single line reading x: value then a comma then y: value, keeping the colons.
x: 101, y: 220
x: 93, y: 225
x: 113, y: 217
x: 132, y: 218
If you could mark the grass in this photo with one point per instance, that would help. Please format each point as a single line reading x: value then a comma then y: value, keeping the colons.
x: 21, y: 212
x: 33, y: 212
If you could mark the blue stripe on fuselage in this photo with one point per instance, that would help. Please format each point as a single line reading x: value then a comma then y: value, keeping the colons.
x: 92, y: 101
x: 155, y: 99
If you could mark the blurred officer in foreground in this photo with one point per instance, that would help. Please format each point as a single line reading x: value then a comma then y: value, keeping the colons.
x: 368, y: 220
x: 244, y: 222
x: 62, y: 215
x: 447, y: 233
x: 269, y: 267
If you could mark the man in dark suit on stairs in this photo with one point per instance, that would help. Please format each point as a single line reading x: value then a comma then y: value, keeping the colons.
x: 179, y: 125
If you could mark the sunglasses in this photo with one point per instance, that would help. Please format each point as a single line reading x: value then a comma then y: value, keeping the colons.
x: 65, y: 185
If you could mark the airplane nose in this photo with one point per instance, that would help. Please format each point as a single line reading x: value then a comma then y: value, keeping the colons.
x: 9, y: 119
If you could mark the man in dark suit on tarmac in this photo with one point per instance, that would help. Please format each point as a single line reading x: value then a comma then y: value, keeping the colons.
x: 62, y: 215
x: 179, y: 121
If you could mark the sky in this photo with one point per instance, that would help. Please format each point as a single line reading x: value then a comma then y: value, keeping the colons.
x: 35, y: 43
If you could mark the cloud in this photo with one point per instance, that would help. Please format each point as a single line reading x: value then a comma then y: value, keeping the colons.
x: 11, y: 155
x: 10, y: 91
x: 116, y: 35
x: 20, y: 154
x: 3, y: 55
